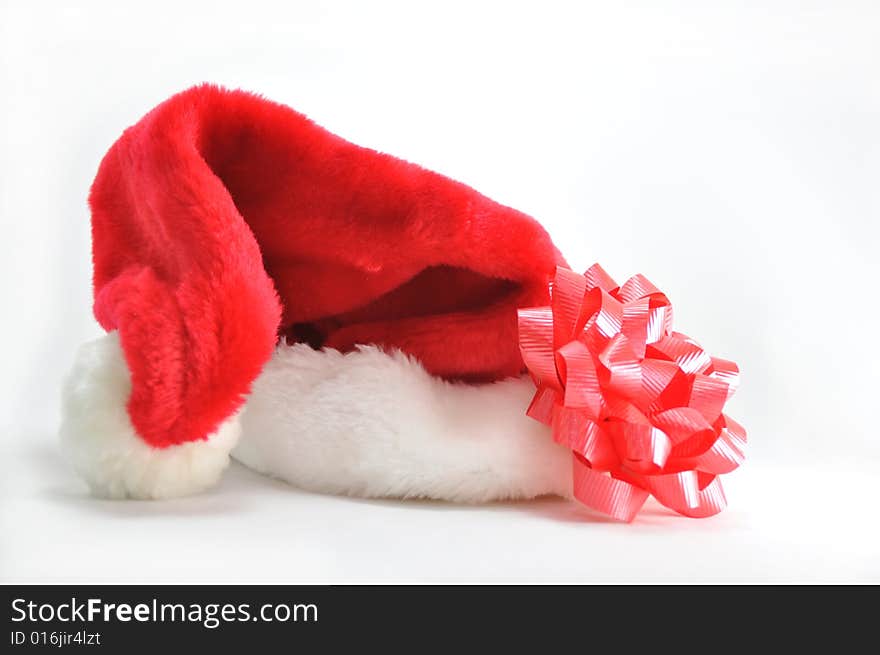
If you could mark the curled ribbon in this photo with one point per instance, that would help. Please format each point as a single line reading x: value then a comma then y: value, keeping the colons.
x: 639, y: 405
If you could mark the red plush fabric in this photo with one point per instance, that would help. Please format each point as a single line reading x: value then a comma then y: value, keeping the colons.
x: 223, y: 221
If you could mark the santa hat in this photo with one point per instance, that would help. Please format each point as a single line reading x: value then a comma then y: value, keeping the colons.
x: 325, y: 313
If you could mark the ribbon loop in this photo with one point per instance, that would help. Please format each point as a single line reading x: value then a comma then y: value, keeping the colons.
x: 616, y: 498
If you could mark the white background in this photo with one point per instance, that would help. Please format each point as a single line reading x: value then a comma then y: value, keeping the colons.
x: 731, y: 153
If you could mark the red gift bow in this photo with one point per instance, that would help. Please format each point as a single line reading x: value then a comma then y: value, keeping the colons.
x: 638, y: 404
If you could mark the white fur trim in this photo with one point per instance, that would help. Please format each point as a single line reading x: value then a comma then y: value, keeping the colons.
x: 371, y: 423
x: 367, y: 423
x: 97, y: 434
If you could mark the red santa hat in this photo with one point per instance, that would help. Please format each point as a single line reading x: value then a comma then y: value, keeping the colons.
x: 332, y: 316
x: 346, y: 310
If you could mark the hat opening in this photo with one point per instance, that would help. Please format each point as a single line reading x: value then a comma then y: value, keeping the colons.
x: 435, y: 291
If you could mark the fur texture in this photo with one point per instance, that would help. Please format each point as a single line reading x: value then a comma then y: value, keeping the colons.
x: 364, y: 423
x: 99, y: 439
x: 222, y: 221
x: 369, y: 423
